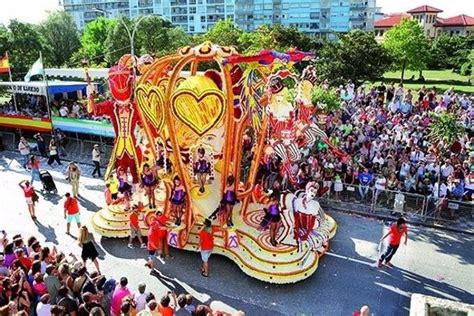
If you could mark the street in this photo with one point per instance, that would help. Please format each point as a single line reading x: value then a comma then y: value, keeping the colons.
x: 434, y: 262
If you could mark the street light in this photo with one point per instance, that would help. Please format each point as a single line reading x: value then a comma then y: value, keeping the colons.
x: 131, y: 37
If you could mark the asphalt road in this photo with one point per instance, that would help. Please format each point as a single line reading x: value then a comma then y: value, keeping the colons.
x: 434, y: 262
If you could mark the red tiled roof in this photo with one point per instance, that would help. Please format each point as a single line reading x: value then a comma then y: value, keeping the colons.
x: 459, y: 20
x: 425, y: 8
x: 391, y: 20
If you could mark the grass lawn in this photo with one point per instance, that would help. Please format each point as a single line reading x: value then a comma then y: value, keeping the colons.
x: 441, y: 79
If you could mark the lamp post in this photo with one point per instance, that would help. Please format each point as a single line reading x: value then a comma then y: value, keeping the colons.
x: 131, y: 37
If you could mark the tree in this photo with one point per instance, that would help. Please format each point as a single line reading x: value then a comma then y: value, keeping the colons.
x: 325, y: 99
x: 118, y: 43
x: 287, y: 37
x: 4, y: 40
x: 60, y: 38
x: 356, y: 56
x: 253, y: 42
x: 25, y: 47
x: 450, y: 52
x: 445, y: 129
x: 153, y: 36
x: 224, y: 33
x: 408, y: 46
x: 93, y: 41
x: 178, y: 38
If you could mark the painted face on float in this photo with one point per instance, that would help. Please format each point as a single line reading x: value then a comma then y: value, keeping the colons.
x: 311, y: 192
x: 120, y: 83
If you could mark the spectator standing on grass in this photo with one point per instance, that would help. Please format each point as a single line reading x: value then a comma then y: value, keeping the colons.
x: 395, y: 234
x: 53, y: 153
x: 71, y: 212
x: 41, y: 144
x: 96, y: 160
x: 24, y: 148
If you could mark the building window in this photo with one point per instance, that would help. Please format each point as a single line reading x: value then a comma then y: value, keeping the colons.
x: 191, y: 29
x: 192, y: 10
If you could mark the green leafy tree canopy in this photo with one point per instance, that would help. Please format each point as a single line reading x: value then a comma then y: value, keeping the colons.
x: 445, y: 128
x: 356, y: 56
x: 408, y: 46
x: 93, y: 41
x: 60, y: 38
x: 224, y: 33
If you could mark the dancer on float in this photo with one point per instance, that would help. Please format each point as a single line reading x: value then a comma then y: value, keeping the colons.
x: 149, y: 182
x: 124, y: 187
x: 163, y: 162
x: 202, y: 168
x: 272, y: 217
x: 177, y: 199
x: 229, y: 199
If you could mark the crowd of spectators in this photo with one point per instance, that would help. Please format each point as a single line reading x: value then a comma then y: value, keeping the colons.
x: 384, y: 131
x: 41, y: 280
x: 35, y: 106
x: 26, y: 105
x: 74, y: 109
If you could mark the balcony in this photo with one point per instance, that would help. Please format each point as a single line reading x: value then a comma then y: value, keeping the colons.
x: 358, y: 17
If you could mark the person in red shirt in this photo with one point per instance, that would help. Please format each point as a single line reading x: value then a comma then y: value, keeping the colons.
x: 157, y: 238
x: 24, y: 260
x: 395, y: 234
x: 30, y: 196
x: 164, y: 307
x: 71, y: 212
x: 206, y: 242
x: 135, y: 227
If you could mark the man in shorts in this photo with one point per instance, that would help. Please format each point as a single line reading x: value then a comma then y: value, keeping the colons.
x: 135, y: 228
x: 206, y: 243
x: 71, y: 212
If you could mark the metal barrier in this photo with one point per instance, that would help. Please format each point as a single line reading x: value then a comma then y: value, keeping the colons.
x: 8, y: 141
x: 76, y: 149
x: 454, y: 214
x: 449, y: 212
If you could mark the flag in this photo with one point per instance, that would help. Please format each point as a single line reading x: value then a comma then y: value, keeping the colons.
x: 36, y: 69
x: 4, y: 65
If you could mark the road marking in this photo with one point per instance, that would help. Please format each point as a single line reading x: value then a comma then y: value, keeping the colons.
x: 350, y: 259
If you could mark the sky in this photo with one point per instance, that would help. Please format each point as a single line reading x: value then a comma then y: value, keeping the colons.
x: 34, y: 11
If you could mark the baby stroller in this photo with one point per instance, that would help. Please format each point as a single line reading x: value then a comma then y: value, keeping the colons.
x: 48, y: 182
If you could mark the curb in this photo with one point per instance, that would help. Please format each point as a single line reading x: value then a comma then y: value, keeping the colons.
x: 417, y: 223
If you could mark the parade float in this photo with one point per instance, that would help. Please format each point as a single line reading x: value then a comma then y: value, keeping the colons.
x: 209, y: 103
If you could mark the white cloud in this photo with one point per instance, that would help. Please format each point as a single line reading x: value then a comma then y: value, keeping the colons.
x: 33, y: 11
